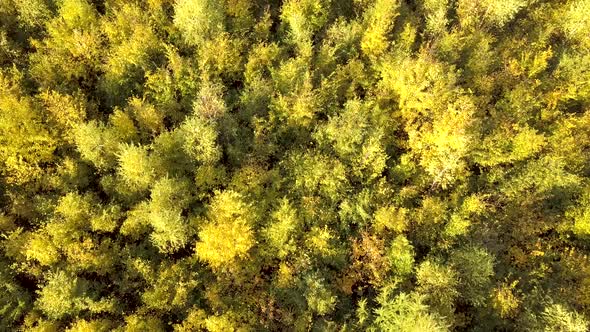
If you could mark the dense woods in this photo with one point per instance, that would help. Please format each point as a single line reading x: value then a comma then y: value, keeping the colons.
x: 297, y: 165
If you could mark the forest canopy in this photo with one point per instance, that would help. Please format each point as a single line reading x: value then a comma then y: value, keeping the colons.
x: 297, y: 165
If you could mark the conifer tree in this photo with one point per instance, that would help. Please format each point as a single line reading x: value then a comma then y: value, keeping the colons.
x: 297, y: 165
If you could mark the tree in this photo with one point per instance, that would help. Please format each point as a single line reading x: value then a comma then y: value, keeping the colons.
x: 435, y: 12
x: 576, y: 22
x: 134, y: 49
x: 65, y: 295
x: 199, y: 20
x: 281, y: 233
x: 136, y: 167
x: 137, y: 323
x: 438, y: 284
x: 227, y: 235
x: 475, y: 268
x: 313, y: 165
x: 504, y: 301
x: 168, y: 154
x: 33, y: 13
x: 101, y: 144
x: 200, y: 140
x: 356, y: 138
x: 171, y: 230
x: 66, y: 112
x: 305, y: 18
x: 171, y: 288
x: 379, y: 20
x: 220, y: 58
x: 401, y: 256
x: 438, y: 117
x: 73, y: 213
x: 150, y: 120
x: 16, y: 300
x: 25, y: 143
x: 496, y: 13
x: 41, y: 248
x: 315, y: 174
x: 71, y: 52
x: 99, y: 325
x: 581, y: 217
x: 320, y: 298
x: 558, y: 318
x: 405, y: 312
x: 297, y: 101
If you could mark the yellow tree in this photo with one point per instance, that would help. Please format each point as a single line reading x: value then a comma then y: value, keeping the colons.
x: 70, y: 54
x: 439, y: 117
x: 227, y: 235
x: 25, y: 142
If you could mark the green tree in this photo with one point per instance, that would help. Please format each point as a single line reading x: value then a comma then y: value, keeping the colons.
x: 475, y: 267
x: 16, y: 300
x: 171, y: 288
x: 136, y: 167
x: 134, y: 49
x: 71, y: 51
x: 558, y: 318
x: 199, y: 20
x: 496, y: 13
x: 405, y: 312
x: 439, y: 285
x: 171, y: 231
x: 401, y: 256
x: 64, y: 295
x: 282, y: 231
x: 305, y: 18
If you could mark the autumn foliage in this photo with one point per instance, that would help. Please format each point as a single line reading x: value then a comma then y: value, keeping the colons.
x: 297, y: 165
